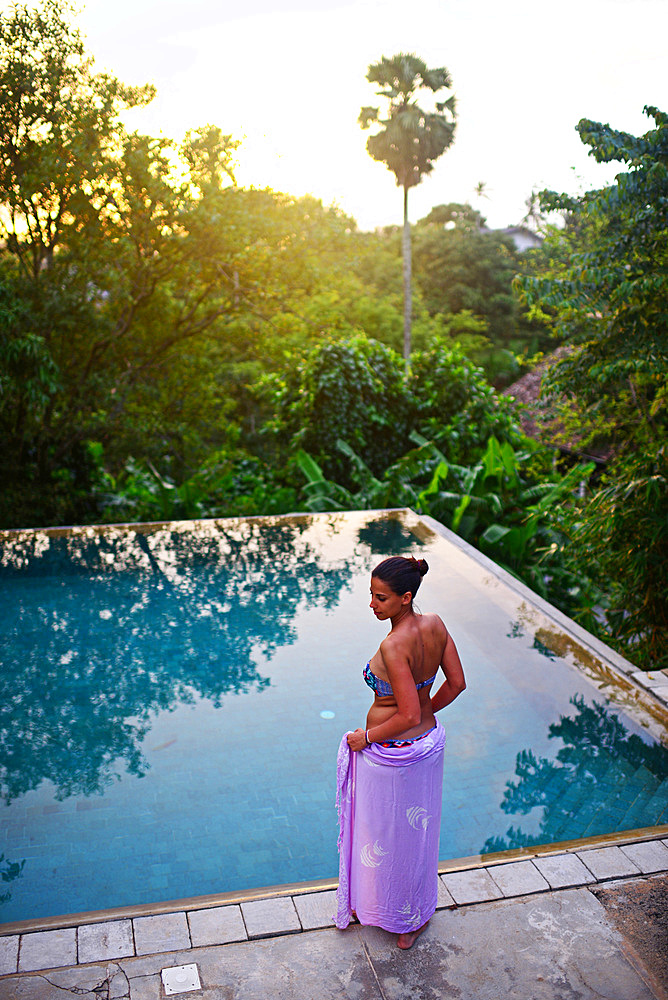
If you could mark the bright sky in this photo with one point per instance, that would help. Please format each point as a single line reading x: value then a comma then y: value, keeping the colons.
x: 289, y: 78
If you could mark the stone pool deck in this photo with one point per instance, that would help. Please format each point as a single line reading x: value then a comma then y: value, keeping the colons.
x: 582, y: 923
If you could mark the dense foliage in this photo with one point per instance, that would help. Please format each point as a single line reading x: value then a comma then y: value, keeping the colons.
x: 357, y: 391
x: 610, y: 296
x: 172, y: 345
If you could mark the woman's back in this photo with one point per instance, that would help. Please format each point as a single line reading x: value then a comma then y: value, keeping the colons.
x: 409, y: 657
x: 419, y: 641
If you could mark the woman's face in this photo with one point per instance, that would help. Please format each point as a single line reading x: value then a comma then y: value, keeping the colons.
x: 384, y: 602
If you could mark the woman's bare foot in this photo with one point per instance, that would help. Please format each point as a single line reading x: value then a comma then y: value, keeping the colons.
x: 406, y: 941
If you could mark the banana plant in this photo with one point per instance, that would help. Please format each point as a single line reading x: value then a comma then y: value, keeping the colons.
x: 512, y: 542
x: 321, y: 494
x: 142, y: 493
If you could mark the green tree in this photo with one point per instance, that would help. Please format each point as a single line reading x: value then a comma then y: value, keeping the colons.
x: 352, y: 389
x: 460, y: 265
x: 410, y: 138
x: 610, y: 298
x: 355, y: 390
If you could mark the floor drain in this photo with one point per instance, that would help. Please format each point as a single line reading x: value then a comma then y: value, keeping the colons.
x: 180, y: 979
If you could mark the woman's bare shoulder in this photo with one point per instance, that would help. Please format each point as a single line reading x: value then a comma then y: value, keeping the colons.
x: 434, y: 624
x: 396, y: 647
x: 391, y: 643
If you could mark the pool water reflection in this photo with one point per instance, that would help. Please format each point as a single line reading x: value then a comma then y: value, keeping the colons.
x: 173, y: 698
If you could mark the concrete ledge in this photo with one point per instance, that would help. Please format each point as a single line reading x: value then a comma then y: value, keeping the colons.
x: 315, y: 909
x: 474, y: 886
x: 48, y: 950
x: 9, y: 954
x: 649, y: 857
x: 102, y: 942
x: 165, y: 932
x: 564, y: 871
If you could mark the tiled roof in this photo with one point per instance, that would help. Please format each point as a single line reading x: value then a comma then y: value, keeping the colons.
x: 539, y: 417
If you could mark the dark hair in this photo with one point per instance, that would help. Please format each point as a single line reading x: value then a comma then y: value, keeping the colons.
x: 402, y: 574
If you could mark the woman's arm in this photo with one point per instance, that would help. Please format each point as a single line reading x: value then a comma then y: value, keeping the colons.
x: 454, y: 682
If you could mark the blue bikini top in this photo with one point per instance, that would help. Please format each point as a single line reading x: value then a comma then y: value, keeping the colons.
x: 384, y: 688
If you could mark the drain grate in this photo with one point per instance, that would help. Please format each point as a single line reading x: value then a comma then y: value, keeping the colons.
x: 180, y: 979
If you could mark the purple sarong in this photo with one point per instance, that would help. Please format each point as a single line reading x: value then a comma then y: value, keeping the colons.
x: 389, y: 802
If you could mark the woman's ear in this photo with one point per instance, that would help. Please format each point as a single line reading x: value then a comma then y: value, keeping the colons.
x: 407, y: 597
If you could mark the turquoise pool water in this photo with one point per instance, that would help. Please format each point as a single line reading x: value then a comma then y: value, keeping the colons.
x: 173, y: 698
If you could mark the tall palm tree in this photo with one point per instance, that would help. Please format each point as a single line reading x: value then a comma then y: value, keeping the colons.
x: 409, y: 139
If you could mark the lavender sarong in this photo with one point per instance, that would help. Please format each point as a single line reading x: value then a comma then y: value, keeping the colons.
x: 389, y: 802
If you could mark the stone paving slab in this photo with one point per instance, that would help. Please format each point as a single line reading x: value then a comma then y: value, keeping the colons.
x: 9, y: 954
x: 315, y: 909
x: 472, y: 886
x: 652, y: 856
x: 444, y: 898
x: 319, y: 965
x: 655, y: 681
x: 48, y: 949
x: 268, y: 917
x: 650, y: 678
x: 101, y: 942
x: 607, y: 862
x: 150, y: 988
x: 161, y: 933
x: 563, y: 871
x: 219, y: 925
x: 519, y: 878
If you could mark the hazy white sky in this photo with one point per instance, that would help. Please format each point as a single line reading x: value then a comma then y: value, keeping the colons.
x: 288, y: 76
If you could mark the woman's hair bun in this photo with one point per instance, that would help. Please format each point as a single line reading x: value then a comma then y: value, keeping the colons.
x: 399, y: 573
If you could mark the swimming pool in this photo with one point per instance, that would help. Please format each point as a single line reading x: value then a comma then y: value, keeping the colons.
x: 173, y: 697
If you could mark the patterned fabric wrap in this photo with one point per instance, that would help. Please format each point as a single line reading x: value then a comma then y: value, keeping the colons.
x: 389, y: 803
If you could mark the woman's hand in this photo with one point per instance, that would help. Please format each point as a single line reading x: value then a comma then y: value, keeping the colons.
x: 357, y: 740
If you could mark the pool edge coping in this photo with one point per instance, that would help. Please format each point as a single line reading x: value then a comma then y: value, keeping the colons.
x: 238, y: 897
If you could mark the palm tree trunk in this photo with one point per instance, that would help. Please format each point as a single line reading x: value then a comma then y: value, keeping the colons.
x: 408, y: 296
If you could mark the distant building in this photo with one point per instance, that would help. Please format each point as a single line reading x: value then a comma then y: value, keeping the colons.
x: 523, y: 237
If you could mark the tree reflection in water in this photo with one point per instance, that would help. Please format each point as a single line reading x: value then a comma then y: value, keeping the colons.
x: 603, y: 778
x: 9, y: 870
x: 117, y: 625
x: 387, y: 536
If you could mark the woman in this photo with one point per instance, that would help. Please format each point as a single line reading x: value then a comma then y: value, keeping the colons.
x: 390, y: 774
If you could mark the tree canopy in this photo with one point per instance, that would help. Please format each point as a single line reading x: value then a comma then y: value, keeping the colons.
x: 610, y: 295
